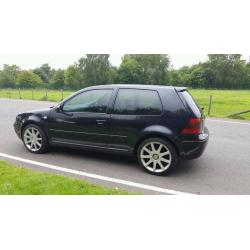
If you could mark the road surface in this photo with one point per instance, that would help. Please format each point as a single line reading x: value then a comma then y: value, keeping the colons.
x: 224, y: 168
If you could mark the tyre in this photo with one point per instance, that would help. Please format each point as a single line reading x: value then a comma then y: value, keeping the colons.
x: 157, y: 156
x: 34, y: 139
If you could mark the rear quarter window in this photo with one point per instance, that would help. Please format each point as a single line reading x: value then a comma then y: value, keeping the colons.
x: 191, y: 103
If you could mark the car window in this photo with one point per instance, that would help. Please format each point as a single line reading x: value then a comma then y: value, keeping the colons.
x: 90, y: 101
x: 137, y: 102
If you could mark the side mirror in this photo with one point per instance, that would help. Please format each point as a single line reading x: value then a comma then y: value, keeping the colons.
x: 59, y: 108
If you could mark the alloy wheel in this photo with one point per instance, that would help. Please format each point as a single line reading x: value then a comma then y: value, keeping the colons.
x: 156, y: 157
x: 32, y: 139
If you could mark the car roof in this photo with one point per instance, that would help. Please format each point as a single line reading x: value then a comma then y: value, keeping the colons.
x: 135, y: 86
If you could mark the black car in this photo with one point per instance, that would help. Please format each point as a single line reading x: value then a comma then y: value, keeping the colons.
x: 159, y: 124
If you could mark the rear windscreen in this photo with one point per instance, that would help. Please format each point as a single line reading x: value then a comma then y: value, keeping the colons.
x: 191, y: 103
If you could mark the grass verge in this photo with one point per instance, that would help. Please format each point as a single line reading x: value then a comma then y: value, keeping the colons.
x: 23, y: 181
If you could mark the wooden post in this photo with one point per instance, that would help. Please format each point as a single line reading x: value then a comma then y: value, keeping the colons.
x: 19, y: 91
x: 62, y: 94
x: 210, y: 104
x: 32, y: 94
x: 46, y: 95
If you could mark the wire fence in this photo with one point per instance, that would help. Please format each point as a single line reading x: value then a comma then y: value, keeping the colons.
x: 216, y: 103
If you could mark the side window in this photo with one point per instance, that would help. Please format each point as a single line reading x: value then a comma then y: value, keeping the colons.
x: 137, y: 102
x: 90, y: 101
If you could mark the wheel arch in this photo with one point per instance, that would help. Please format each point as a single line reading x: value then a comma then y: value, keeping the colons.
x: 154, y: 135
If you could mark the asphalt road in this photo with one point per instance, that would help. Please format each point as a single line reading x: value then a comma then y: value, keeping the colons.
x: 224, y: 168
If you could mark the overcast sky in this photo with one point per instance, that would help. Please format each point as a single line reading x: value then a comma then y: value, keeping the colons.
x: 63, y: 61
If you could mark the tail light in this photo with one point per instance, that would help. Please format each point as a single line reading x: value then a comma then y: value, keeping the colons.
x: 194, y: 127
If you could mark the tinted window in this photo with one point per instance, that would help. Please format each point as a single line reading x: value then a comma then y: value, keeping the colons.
x: 191, y: 102
x: 137, y: 102
x: 89, y: 101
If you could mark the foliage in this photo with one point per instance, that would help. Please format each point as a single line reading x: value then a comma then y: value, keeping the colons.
x: 45, y: 72
x: 73, y: 77
x: 28, y: 79
x: 95, y: 69
x: 58, y: 79
x: 8, y: 76
x: 222, y: 71
x: 144, y: 69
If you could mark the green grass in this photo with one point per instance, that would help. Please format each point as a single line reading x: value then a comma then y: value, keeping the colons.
x: 23, y: 181
x: 40, y: 95
x: 224, y: 103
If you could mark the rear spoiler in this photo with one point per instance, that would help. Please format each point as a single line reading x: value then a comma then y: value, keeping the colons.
x: 180, y: 89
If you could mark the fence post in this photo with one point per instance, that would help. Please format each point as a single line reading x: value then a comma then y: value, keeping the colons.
x: 62, y: 94
x: 46, y: 95
x: 19, y: 91
x: 32, y: 94
x: 209, y: 104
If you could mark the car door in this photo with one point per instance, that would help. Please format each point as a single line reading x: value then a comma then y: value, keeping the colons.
x: 133, y: 111
x: 83, y: 119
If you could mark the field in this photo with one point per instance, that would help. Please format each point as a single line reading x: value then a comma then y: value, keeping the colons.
x: 17, y: 180
x: 224, y: 102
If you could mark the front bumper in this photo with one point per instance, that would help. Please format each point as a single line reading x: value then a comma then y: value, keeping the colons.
x: 17, y: 128
x: 191, y: 149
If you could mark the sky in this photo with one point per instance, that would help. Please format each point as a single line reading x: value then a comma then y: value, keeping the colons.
x: 63, y: 61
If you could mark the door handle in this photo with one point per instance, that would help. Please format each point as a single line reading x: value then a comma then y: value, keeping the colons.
x: 100, y: 122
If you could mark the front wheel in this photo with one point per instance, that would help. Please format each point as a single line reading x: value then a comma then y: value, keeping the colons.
x: 157, y: 156
x: 34, y: 139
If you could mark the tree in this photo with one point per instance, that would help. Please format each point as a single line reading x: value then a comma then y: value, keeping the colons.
x: 58, y: 78
x: 28, y: 79
x: 73, y: 77
x: 95, y: 69
x: 225, y: 71
x: 45, y: 72
x: 129, y: 71
x: 146, y: 68
x: 8, y: 76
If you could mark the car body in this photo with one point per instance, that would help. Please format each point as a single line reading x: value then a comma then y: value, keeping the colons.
x: 120, y: 118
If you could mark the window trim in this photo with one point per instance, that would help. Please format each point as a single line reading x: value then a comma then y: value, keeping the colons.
x: 117, y: 92
x: 88, y: 112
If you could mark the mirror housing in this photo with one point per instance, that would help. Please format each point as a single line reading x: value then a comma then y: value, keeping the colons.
x: 59, y: 108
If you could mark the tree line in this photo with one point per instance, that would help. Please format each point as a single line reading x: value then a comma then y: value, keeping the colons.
x: 222, y: 71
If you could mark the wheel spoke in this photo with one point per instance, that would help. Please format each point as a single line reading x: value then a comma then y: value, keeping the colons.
x: 160, y: 164
x: 163, y: 154
x: 149, y: 162
x: 147, y: 150
x: 165, y: 160
x: 145, y: 156
x: 154, y: 165
x: 153, y: 147
x: 159, y: 149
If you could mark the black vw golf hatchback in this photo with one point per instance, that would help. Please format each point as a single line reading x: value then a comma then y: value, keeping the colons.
x: 159, y: 124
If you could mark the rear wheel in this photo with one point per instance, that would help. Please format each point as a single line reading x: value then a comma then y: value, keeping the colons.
x: 34, y: 139
x: 157, y: 156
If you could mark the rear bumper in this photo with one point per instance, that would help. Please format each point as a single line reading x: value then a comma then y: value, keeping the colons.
x: 194, y: 148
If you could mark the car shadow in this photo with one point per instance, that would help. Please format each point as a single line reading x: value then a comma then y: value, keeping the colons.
x: 184, y: 167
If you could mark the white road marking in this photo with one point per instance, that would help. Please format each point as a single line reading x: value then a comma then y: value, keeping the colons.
x: 95, y: 176
x: 242, y: 123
